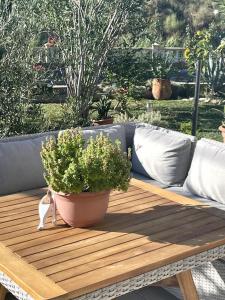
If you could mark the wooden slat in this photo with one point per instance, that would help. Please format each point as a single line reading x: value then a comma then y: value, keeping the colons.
x: 94, y: 239
x: 20, y: 205
x: 34, y: 282
x: 129, y: 194
x: 140, y: 263
x: 23, y: 195
x: 125, y: 251
x: 71, y: 232
x: 152, y: 226
x: 32, y: 233
x: 132, y: 241
x: 11, y: 203
x: 26, y: 227
x: 123, y: 200
x: 23, y: 250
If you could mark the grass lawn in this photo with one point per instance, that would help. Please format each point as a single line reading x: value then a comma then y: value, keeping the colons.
x: 176, y: 113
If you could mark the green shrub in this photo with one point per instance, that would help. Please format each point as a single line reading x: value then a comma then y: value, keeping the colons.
x: 74, y: 166
x: 151, y: 117
x: 186, y: 127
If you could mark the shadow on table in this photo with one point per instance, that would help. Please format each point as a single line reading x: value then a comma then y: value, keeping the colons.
x: 172, y: 223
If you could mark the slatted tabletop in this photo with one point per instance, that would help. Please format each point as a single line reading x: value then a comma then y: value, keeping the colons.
x: 144, y: 229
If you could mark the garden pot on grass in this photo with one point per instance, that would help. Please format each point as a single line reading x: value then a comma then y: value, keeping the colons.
x: 222, y: 130
x: 161, y: 89
x: 84, y: 209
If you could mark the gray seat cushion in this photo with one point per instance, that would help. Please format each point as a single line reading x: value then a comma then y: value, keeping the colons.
x: 148, y: 180
x: 163, y: 155
x: 206, y: 177
x: 20, y: 165
x: 183, y: 192
x: 148, y: 293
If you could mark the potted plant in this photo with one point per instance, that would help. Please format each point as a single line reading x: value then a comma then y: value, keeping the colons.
x: 162, y: 68
x: 222, y: 126
x: 82, y: 173
x: 222, y: 130
x: 102, y: 107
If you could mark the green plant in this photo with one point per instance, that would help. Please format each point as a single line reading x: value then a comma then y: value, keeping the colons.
x: 18, y: 114
x: 222, y: 113
x: 74, y: 166
x: 122, y: 103
x: 208, y: 46
x: 186, y: 127
x: 153, y: 117
x: 87, y: 31
x: 102, y: 107
x: 162, y: 67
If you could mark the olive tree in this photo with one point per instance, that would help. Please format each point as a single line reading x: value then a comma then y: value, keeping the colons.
x: 17, y: 35
x: 86, y: 30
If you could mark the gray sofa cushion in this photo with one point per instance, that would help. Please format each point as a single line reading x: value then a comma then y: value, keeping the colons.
x: 148, y: 180
x: 206, y: 176
x: 163, y: 155
x: 183, y: 192
x: 20, y: 165
x: 114, y: 132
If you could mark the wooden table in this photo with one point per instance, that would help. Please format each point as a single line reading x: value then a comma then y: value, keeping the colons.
x: 148, y: 234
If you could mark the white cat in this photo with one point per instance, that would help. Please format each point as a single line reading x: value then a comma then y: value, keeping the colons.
x: 46, y: 205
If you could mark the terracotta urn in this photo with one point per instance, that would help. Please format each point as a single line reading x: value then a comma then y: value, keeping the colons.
x: 222, y: 130
x: 82, y: 210
x: 161, y: 89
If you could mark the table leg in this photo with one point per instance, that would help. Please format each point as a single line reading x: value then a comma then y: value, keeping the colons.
x: 187, y: 286
x: 3, y: 292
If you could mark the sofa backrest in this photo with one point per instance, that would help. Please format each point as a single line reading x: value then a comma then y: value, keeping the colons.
x: 161, y: 154
x: 20, y: 163
x: 206, y: 177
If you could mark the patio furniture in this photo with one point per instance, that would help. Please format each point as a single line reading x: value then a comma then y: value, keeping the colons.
x: 160, y: 157
x: 149, y: 234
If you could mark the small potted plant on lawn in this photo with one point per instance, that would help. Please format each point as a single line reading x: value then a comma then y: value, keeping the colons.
x: 222, y: 126
x: 162, y: 68
x: 102, y: 107
x: 82, y: 173
x: 222, y: 130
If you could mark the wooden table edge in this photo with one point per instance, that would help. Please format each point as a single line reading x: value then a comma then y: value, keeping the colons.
x: 32, y: 281
x: 165, y: 193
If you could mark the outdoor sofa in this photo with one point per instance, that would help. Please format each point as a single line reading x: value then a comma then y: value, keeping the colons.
x: 165, y: 158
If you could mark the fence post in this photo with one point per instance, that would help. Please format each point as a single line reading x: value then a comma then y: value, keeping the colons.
x: 196, y: 97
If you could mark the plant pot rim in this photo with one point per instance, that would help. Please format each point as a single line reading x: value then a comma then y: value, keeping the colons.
x: 82, y: 194
x: 108, y: 118
x: 158, y: 78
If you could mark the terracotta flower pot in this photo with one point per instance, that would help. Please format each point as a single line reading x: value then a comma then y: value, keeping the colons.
x: 103, y: 122
x: 222, y: 130
x: 82, y: 210
x: 161, y: 89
